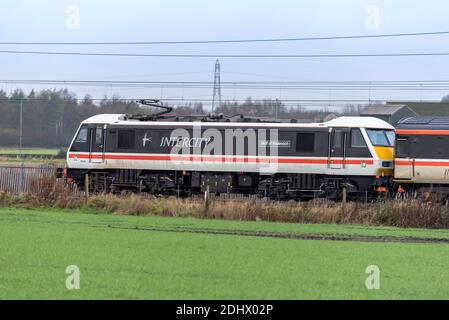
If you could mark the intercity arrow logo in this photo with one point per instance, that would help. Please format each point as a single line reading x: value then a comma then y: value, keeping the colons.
x: 146, y: 139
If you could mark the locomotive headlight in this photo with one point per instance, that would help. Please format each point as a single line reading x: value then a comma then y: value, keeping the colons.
x: 387, y: 164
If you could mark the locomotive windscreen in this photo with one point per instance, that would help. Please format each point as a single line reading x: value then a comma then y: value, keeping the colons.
x: 382, y: 138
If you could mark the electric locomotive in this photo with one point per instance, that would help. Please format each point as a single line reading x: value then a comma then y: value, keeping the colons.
x: 187, y: 155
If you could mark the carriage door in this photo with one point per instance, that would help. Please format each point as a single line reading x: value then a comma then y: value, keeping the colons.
x: 405, y: 166
x: 337, y: 148
x: 96, y: 145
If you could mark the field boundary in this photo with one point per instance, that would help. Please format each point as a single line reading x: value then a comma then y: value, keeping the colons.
x: 24, y: 179
x: 262, y: 234
x: 289, y: 235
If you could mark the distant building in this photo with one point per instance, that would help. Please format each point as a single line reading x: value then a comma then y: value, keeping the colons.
x: 389, y: 113
x: 329, y: 117
x: 436, y: 109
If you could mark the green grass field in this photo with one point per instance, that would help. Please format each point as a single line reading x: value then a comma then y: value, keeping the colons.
x: 30, y: 156
x: 123, y: 257
x: 29, y: 151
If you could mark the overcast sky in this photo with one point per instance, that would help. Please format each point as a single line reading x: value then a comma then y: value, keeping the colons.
x: 172, y: 20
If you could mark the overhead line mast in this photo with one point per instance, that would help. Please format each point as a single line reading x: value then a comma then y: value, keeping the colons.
x: 217, y: 86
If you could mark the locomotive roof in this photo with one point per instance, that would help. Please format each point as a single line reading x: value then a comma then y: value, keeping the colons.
x: 424, y: 122
x: 351, y: 122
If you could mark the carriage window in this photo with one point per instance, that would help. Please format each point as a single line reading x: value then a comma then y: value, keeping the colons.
x: 305, y: 142
x: 357, y: 140
x: 402, y: 149
x: 82, y: 136
x: 126, y: 139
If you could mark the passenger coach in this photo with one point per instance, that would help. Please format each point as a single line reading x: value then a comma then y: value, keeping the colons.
x: 277, y: 160
x: 422, y: 154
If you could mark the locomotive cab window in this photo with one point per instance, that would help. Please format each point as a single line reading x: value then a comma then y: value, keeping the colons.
x: 381, y: 138
x: 357, y: 140
x: 98, y: 135
x: 82, y: 135
x: 305, y: 142
x: 337, y: 138
x: 80, y: 143
x: 126, y: 139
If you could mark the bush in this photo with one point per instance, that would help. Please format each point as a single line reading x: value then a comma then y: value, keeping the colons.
x: 409, y: 213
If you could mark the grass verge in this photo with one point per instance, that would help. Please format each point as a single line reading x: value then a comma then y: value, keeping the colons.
x: 411, y: 213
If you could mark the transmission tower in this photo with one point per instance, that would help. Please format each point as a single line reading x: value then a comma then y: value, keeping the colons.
x: 217, y: 86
